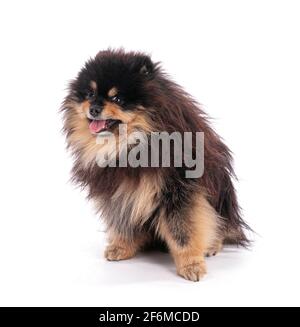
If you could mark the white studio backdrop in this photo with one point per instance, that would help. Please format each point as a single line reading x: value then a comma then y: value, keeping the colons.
x: 240, y: 59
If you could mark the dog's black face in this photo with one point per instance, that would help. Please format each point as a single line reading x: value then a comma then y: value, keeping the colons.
x: 125, y: 73
x: 111, y: 87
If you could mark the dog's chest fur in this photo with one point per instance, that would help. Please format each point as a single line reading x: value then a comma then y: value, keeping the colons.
x: 131, y: 205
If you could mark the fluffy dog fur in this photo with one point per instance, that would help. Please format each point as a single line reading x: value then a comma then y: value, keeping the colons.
x: 143, y: 206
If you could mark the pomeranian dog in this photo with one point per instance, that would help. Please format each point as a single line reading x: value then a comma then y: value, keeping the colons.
x: 144, y: 205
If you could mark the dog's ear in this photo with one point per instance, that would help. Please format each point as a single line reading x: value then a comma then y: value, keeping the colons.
x: 146, y: 66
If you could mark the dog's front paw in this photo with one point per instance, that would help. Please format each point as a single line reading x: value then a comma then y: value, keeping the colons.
x: 116, y: 253
x: 193, y: 271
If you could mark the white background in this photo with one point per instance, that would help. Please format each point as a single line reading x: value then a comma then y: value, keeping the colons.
x: 240, y: 59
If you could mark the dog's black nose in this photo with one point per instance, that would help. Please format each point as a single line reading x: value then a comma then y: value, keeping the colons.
x: 95, y: 110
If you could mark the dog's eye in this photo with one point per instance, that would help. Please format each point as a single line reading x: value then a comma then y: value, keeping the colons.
x: 90, y: 95
x: 116, y: 99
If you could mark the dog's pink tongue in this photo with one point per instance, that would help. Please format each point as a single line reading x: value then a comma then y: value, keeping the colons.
x: 96, y: 125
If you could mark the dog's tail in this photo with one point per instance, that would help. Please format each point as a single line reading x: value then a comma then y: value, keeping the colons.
x: 230, y: 212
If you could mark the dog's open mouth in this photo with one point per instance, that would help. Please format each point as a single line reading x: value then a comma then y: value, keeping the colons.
x: 97, y: 126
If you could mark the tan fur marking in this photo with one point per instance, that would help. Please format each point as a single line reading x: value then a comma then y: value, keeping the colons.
x: 134, y: 120
x: 121, y: 249
x: 189, y: 259
x: 112, y: 110
x: 112, y: 92
x: 81, y: 137
x: 140, y: 123
x: 143, y: 197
